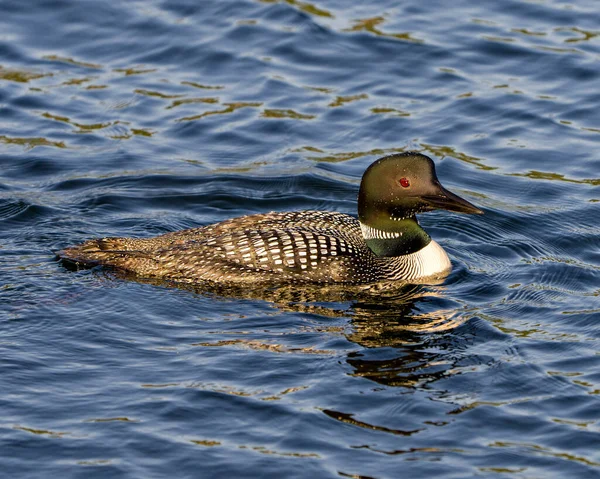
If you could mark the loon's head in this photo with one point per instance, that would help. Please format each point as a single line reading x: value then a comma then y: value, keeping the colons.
x: 401, y: 185
x: 392, y: 191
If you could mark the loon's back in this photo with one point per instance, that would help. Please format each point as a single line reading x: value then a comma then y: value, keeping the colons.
x: 303, y: 246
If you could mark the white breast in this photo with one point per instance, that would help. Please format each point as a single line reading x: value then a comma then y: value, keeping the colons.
x: 430, y: 261
x: 434, y: 260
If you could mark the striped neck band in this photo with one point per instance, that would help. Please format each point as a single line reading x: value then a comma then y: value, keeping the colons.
x: 369, y: 233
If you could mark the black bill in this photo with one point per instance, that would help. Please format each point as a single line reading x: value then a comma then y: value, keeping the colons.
x: 447, y: 200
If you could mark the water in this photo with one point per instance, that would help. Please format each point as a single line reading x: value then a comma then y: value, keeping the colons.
x: 142, y: 117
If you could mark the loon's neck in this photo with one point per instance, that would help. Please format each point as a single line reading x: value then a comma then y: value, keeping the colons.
x: 394, y: 237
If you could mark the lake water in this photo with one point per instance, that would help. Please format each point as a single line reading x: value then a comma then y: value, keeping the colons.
x: 137, y: 118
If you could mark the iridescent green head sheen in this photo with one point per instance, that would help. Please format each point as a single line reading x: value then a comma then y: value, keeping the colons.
x: 395, y: 188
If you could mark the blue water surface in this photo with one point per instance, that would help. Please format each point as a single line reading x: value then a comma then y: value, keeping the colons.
x: 136, y: 118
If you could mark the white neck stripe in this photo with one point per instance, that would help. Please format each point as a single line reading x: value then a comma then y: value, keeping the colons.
x: 369, y: 232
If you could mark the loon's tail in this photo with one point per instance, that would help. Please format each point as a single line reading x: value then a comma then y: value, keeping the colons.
x: 105, y: 251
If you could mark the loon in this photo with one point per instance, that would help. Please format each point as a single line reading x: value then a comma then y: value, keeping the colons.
x: 386, y: 242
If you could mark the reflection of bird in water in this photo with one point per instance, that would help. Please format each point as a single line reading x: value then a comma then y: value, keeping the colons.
x: 399, y: 317
x: 387, y: 315
x: 386, y: 243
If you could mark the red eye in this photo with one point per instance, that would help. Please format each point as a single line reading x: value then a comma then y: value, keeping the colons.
x: 404, y: 183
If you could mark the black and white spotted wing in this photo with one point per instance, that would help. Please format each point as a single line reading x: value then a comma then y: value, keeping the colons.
x: 290, y: 246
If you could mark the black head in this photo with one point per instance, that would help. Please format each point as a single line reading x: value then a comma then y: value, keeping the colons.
x: 399, y: 186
